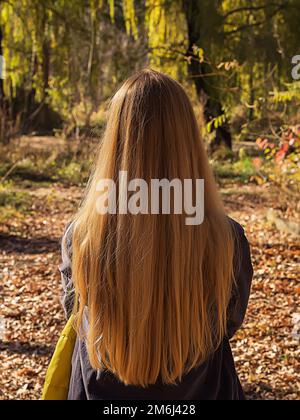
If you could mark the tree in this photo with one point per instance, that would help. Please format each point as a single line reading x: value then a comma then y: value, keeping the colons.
x: 64, y: 59
x: 200, y: 70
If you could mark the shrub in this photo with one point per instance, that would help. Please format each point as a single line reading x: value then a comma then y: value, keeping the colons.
x: 281, y: 159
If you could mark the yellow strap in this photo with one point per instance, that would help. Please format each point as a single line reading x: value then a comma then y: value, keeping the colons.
x: 58, y: 374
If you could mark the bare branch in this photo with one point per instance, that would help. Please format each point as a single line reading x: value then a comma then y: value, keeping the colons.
x: 259, y: 23
x: 252, y: 9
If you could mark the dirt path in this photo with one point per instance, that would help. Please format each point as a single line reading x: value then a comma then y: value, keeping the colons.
x: 266, y: 351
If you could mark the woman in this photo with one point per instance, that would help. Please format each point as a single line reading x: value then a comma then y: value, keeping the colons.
x: 156, y: 300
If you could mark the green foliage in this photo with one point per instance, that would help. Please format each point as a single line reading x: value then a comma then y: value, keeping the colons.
x: 130, y: 18
x: 291, y: 93
x: 281, y: 160
x: 112, y: 10
x: 71, y: 56
x: 167, y: 36
x: 14, y: 200
x: 241, y: 170
x: 72, y: 173
x: 66, y: 54
x: 216, y: 122
x: 14, y: 204
x: 40, y: 169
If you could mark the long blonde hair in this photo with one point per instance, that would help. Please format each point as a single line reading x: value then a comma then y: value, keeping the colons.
x: 155, y: 290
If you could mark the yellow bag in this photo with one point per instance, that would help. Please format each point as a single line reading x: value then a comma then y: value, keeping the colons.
x: 58, y: 374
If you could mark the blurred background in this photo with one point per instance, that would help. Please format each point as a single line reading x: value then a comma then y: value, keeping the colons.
x: 60, y: 63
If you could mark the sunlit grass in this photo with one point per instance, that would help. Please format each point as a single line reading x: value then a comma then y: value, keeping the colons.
x: 240, y: 170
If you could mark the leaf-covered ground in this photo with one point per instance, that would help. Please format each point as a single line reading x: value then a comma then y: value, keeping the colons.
x: 266, y: 349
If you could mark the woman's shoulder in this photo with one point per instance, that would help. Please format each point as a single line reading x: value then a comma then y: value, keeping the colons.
x: 243, y: 273
x: 237, y: 228
x: 242, y: 256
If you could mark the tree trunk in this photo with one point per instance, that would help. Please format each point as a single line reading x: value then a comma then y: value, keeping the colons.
x: 251, y: 95
x: 1, y: 80
x: 198, y: 70
x: 4, y: 130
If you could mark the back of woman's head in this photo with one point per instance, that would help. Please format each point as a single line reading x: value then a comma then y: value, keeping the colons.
x: 155, y: 288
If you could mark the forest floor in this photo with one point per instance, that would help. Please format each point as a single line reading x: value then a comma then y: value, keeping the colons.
x: 266, y: 349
